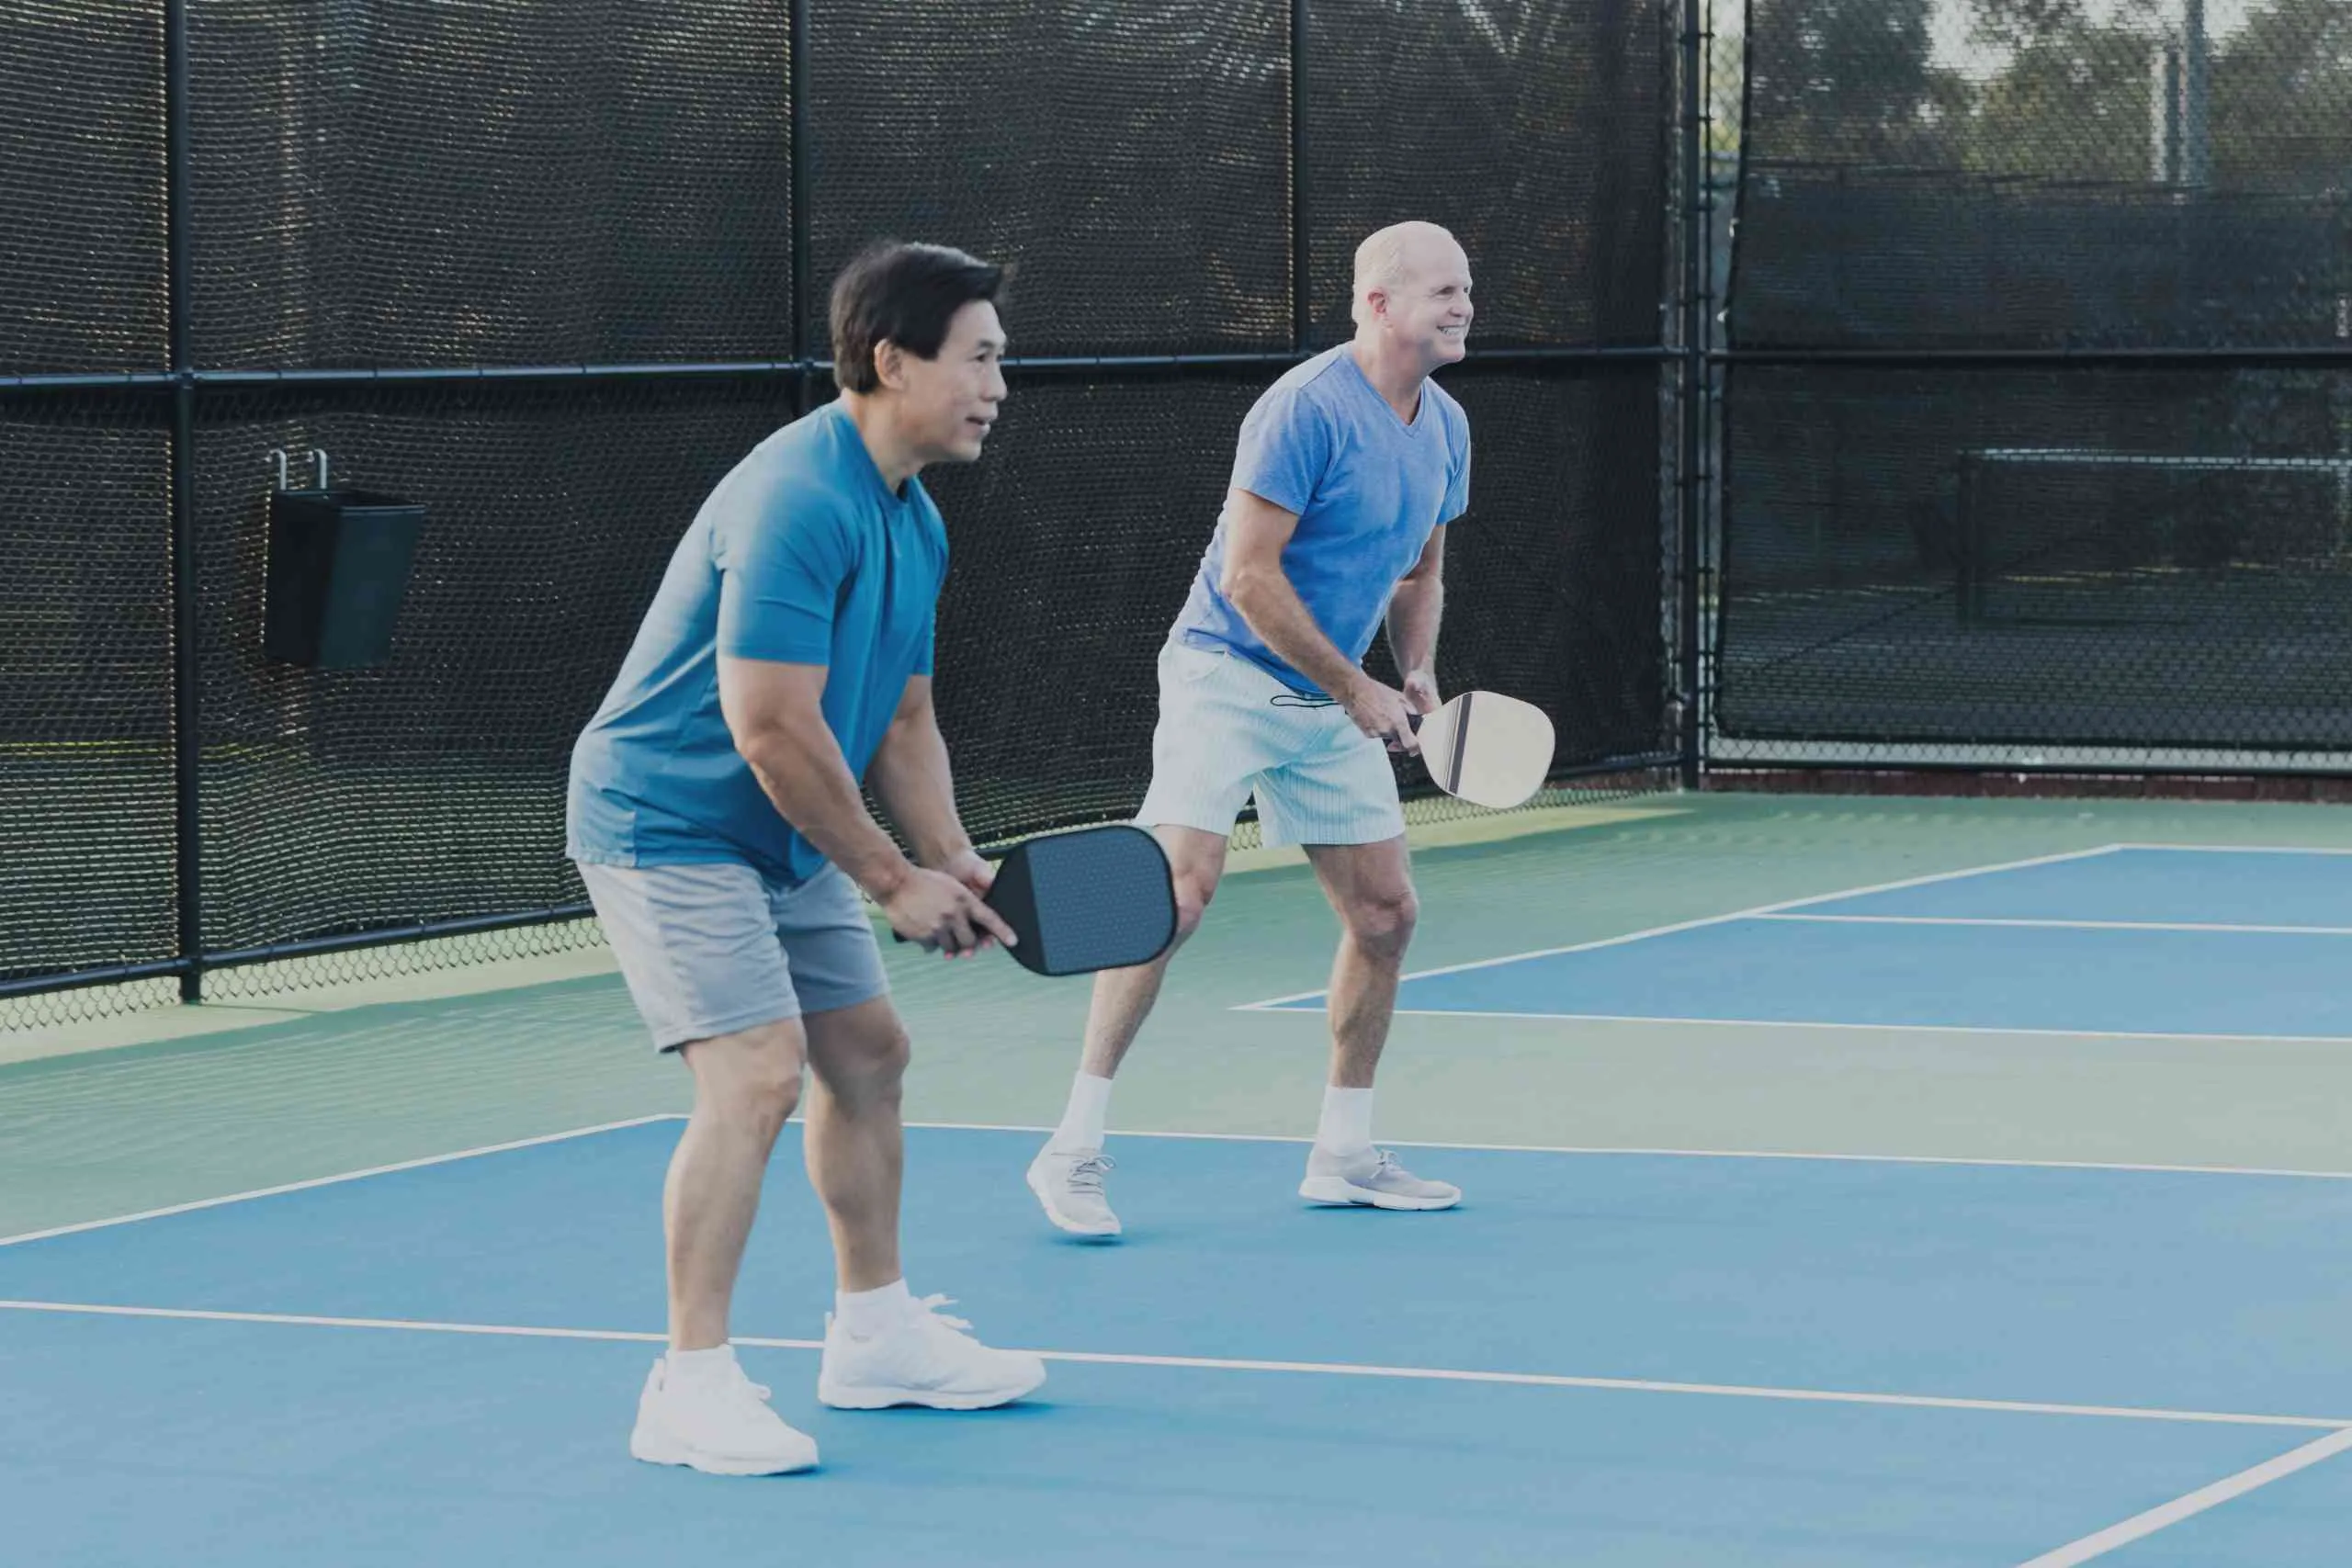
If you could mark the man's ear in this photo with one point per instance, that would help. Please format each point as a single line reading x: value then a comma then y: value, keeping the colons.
x: 890, y: 365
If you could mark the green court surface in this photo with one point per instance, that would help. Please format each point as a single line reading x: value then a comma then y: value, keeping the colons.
x: 86, y: 1134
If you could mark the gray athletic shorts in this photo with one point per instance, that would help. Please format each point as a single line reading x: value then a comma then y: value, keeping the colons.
x: 711, y: 949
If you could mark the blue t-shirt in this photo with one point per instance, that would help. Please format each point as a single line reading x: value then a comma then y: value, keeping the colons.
x: 801, y: 555
x: 1368, y: 488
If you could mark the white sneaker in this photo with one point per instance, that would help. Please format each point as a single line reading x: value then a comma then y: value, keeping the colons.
x: 1069, y: 1182
x: 1371, y: 1177
x: 717, y: 1422
x: 924, y: 1359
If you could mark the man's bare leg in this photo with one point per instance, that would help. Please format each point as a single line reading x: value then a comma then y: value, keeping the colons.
x: 1067, y: 1175
x: 1371, y: 888
x: 746, y: 1085
x: 856, y: 1151
x: 882, y: 1346
x: 1124, y: 997
x: 698, y: 1408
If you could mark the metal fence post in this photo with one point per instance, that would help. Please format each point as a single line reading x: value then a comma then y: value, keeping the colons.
x: 188, y: 752
x: 798, y: 129
x: 1301, y: 316
x: 1693, y: 370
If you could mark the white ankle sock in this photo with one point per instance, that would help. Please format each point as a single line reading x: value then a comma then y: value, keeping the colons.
x: 1090, y: 1107
x: 866, y: 1314
x: 1346, y: 1125
x: 696, y: 1365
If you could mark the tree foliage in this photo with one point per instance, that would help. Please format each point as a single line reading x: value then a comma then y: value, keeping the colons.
x: 2060, y: 89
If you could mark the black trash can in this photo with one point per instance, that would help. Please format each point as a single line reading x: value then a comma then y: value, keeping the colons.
x: 338, y: 569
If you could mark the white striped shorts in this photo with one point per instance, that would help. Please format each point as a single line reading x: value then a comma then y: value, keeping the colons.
x: 1223, y: 736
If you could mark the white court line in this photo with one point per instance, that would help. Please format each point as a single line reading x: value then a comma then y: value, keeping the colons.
x: 2338, y: 1425
x: 2141, y: 1526
x: 1818, y: 1023
x: 2237, y: 849
x: 1274, y: 1003
x: 1636, y: 1151
x: 407, y: 1325
x: 333, y: 1181
x: 2055, y: 925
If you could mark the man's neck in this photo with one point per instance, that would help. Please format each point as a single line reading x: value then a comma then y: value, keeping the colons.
x: 1398, y: 381
x: 893, y: 456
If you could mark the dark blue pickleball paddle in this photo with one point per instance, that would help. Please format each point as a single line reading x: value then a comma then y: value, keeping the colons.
x: 1095, y: 898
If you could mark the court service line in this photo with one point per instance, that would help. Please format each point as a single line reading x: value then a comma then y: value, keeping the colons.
x: 1275, y: 1002
x: 2055, y: 925
x: 2237, y: 849
x: 338, y: 1179
x: 2129, y: 1167
x: 2339, y: 1424
x: 1907, y: 1027
x: 2141, y: 1526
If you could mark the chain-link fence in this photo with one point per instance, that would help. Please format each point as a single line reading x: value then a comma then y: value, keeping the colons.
x: 551, y: 270
x: 2039, y: 386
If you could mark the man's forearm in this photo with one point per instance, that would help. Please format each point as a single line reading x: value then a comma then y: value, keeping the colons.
x: 1283, y: 623
x: 910, y: 776
x: 801, y: 767
x: 1414, y: 612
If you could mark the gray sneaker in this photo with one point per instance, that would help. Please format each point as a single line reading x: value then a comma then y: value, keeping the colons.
x: 1068, y: 1184
x: 1370, y: 1176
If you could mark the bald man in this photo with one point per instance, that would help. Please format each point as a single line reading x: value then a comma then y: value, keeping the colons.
x: 1349, y: 470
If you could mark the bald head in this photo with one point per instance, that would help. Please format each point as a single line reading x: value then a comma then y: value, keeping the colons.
x: 1412, y: 301
x: 1394, y: 258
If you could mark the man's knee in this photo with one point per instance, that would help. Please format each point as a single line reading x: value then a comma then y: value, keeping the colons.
x: 882, y: 1063
x: 753, y: 1076
x: 861, y: 1053
x: 1195, y: 864
x: 1382, y: 922
x: 1192, y: 897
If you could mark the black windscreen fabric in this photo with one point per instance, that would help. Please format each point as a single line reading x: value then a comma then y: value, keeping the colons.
x: 1535, y: 130
x: 1076, y: 540
x: 1132, y: 160
x: 413, y: 182
x: 2141, y: 558
x: 1992, y: 174
x: 433, y: 786
x: 82, y: 212
x: 431, y: 190
x: 1860, y: 258
x: 86, y: 685
x: 1552, y: 577
x: 1074, y: 543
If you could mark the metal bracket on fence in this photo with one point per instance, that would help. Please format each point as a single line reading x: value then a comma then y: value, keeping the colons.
x: 318, y: 459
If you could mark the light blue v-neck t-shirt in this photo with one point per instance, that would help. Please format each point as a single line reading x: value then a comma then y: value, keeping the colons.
x: 1369, y: 490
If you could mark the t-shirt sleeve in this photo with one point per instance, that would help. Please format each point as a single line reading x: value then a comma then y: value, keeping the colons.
x: 1457, y: 488
x: 1285, y: 445
x: 924, y: 648
x: 781, y: 567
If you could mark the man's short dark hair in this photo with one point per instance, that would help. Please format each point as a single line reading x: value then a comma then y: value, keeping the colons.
x: 905, y: 294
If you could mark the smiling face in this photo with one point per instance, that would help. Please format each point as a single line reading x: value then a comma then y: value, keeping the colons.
x: 1429, y: 310
x: 949, y: 403
x: 1413, y: 290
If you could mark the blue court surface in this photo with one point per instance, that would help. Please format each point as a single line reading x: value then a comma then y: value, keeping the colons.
x: 1615, y: 1358
x: 2121, y: 941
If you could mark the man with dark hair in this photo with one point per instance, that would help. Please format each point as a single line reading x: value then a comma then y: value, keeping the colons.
x: 716, y: 815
